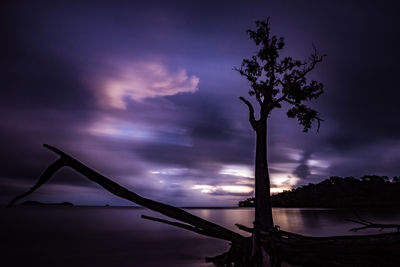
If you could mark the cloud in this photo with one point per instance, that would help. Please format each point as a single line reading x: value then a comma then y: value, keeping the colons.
x: 128, y: 131
x: 233, y: 190
x: 238, y: 170
x: 143, y: 80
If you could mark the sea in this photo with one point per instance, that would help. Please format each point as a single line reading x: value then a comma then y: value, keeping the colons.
x: 117, y: 236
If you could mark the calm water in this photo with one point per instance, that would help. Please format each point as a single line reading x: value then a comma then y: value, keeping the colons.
x: 112, y: 236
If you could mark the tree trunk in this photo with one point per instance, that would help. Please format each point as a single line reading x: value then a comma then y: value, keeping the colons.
x: 263, y: 211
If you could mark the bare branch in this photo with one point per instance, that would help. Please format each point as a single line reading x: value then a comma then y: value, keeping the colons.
x: 185, y: 226
x: 46, y: 175
x: 315, y: 58
x: 252, y: 119
x: 369, y: 225
x: 244, y: 228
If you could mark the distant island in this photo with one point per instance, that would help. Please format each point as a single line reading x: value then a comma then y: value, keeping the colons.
x: 338, y: 192
x: 37, y: 203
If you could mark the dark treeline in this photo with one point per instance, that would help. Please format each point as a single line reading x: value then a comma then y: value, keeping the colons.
x: 38, y: 203
x: 338, y: 192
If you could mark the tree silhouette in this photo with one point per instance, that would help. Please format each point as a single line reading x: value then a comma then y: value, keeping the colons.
x: 275, y: 81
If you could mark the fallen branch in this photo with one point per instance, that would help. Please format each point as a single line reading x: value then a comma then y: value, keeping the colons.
x: 183, y: 226
x: 118, y: 190
x: 244, y: 228
x: 369, y: 225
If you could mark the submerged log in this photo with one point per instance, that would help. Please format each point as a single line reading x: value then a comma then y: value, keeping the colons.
x: 295, y: 249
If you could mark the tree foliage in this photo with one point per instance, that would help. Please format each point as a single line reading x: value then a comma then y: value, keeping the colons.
x: 274, y: 80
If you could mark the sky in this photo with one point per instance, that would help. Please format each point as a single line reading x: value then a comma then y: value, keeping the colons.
x: 145, y: 92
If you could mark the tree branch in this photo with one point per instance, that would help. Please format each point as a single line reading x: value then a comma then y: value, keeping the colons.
x: 314, y: 58
x: 252, y: 119
x: 368, y: 225
x: 319, y: 120
x: 289, y: 101
x: 284, y: 98
x: 122, y: 192
x: 244, y: 228
x: 185, y: 226
x: 46, y: 175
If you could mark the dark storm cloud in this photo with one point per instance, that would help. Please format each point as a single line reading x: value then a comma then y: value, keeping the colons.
x: 24, y: 134
x: 302, y: 171
x: 208, y: 122
x: 362, y: 89
x: 32, y: 75
x: 37, y: 81
x: 195, y: 155
x: 43, y: 99
x: 213, y: 135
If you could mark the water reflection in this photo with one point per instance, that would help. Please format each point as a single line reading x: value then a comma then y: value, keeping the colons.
x: 288, y: 219
x: 99, y: 236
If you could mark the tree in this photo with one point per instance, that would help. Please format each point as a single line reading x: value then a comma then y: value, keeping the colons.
x: 274, y: 82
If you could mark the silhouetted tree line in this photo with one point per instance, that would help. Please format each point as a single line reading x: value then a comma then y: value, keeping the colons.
x: 338, y: 192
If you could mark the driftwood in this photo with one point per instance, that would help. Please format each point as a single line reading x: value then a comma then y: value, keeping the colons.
x: 368, y: 225
x: 295, y: 249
